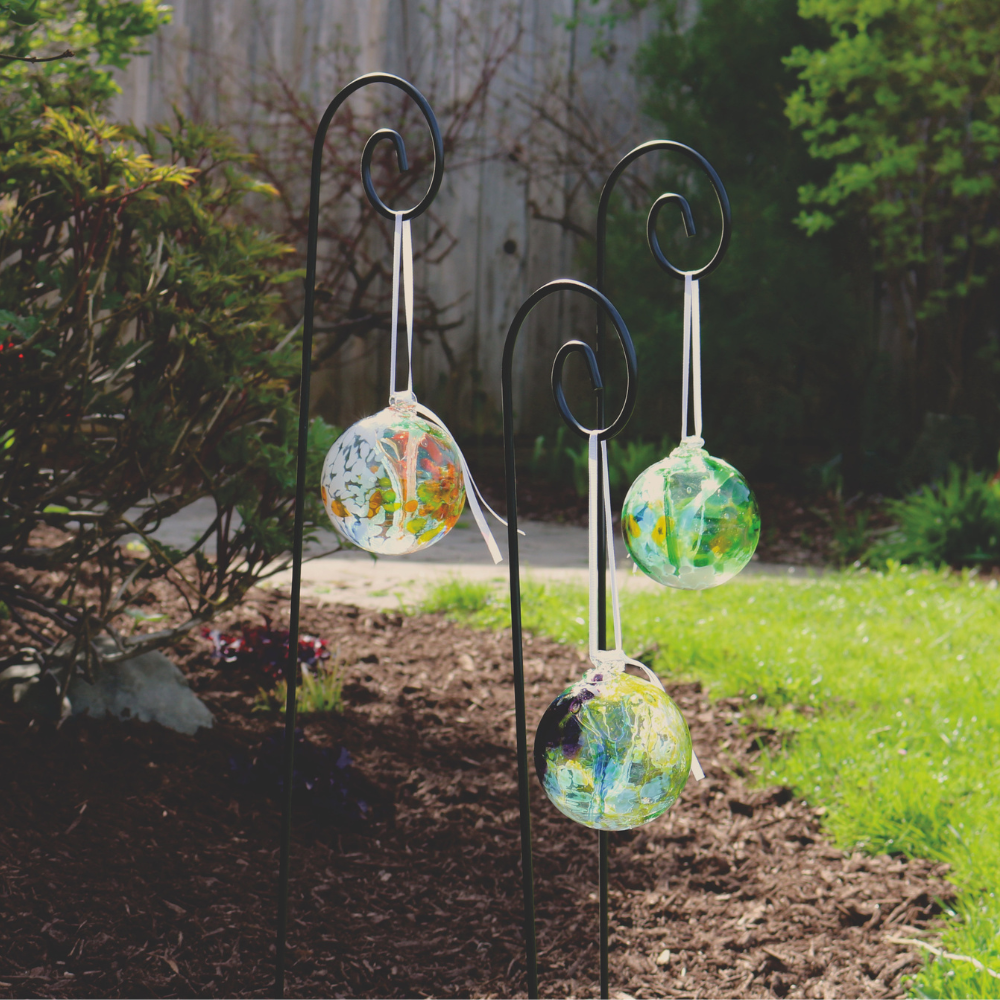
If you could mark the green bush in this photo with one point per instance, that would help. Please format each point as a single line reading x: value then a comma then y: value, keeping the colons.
x: 787, y: 348
x: 625, y: 461
x: 955, y: 523
x: 101, y: 35
x: 143, y: 365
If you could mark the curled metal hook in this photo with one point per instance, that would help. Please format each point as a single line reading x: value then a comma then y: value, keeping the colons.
x: 397, y: 139
x: 654, y: 212
x: 366, y: 166
x: 654, y: 246
x: 606, y: 308
x: 573, y: 347
x: 312, y: 239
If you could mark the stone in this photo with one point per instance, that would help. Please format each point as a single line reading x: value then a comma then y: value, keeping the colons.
x: 147, y: 687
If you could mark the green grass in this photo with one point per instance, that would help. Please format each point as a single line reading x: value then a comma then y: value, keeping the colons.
x: 887, y: 688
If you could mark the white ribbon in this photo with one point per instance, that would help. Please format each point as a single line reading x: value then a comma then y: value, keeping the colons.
x: 402, y: 259
x: 611, y: 659
x: 692, y: 356
x: 472, y: 493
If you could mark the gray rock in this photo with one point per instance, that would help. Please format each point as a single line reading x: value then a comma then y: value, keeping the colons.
x: 147, y: 687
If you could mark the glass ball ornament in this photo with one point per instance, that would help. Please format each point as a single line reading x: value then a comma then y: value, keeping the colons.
x: 392, y: 483
x: 690, y: 521
x: 612, y: 751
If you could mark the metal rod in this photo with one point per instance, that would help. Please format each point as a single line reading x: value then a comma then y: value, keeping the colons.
x: 604, y: 838
x: 291, y: 665
x: 506, y: 381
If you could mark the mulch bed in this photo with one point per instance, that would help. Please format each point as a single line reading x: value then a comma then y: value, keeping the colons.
x: 132, y: 863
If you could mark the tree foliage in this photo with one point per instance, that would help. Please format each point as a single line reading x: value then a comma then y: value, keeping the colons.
x: 786, y: 327
x: 101, y: 35
x: 904, y: 104
x: 143, y: 366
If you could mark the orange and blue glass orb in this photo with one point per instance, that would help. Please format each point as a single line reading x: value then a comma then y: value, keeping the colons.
x: 392, y: 483
x: 690, y: 521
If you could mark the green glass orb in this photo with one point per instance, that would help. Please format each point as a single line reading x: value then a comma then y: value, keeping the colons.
x: 690, y: 521
x: 612, y: 751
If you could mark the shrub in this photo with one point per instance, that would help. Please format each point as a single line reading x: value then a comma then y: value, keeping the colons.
x: 626, y: 460
x: 456, y: 594
x: 142, y: 368
x: 955, y: 522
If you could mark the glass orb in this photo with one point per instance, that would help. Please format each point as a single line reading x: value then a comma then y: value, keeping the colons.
x: 612, y: 751
x: 392, y: 483
x: 690, y: 521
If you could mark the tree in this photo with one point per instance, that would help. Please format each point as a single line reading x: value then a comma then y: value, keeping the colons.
x: 904, y: 103
x: 789, y: 355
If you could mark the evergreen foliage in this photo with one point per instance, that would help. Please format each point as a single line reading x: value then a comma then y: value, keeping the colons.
x: 951, y: 523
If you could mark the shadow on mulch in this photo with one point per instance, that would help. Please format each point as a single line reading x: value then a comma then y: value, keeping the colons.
x: 134, y: 865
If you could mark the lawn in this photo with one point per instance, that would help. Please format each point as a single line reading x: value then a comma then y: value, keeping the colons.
x: 886, y: 688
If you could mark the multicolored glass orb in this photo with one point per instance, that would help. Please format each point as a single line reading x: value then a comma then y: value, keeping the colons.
x: 612, y: 751
x: 392, y: 483
x: 690, y: 521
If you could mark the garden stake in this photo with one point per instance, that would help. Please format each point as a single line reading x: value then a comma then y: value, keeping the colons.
x: 603, y: 837
x: 574, y: 346
x: 291, y: 667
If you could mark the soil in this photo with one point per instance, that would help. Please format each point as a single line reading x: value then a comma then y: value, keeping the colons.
x: 133, y: 864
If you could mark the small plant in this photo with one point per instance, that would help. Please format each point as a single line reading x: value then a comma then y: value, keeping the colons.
x: 580, y: 466
x: 852, y: 534
x: 322, y: 691
x: 625, y: 463
x: 264, y: 650
x: 457, y: 595
x: 954, y: 523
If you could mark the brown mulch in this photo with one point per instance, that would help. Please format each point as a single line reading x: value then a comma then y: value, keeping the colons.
x: 133, y: 865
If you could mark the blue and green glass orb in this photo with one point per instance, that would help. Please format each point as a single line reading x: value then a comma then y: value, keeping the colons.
x: 690, y: 521
x: 612, y: 751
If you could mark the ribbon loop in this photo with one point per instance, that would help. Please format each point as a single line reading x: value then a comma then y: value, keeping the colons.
x: 692, y: 357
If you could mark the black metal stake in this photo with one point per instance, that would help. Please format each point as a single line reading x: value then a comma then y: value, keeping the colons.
x: 575, y: 346
x: 603, y: 837
x: 291, y: 666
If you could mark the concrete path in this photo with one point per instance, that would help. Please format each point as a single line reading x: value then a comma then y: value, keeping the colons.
x: 548, y: 551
